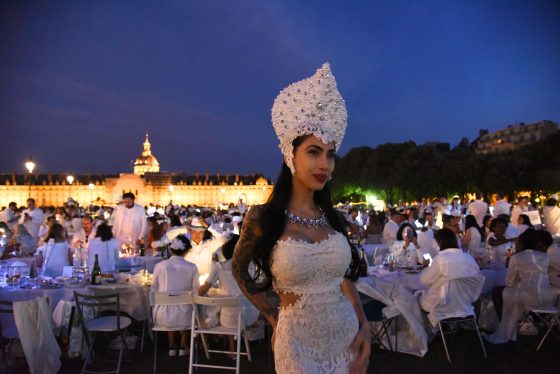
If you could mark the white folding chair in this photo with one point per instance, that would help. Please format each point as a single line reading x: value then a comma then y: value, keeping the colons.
x: 115, y: 323
x: 458, y: 308
x: 237, y: 332
x: 167, y: 298
x: 549, y: 317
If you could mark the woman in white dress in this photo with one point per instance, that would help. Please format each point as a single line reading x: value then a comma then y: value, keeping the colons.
x: 497, y: 241
x: 175, y: 275
x: 56, y: 254
x: 523, y: 223
x: 527, y: 286
x: 106, y: 247
x: 473, y: 235
x: 297, y: 241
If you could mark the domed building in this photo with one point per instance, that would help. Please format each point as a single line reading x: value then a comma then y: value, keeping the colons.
x: 147, y: 162
x: 148, y: 184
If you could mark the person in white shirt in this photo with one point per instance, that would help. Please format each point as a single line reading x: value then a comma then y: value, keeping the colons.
x: 545, y: 244
x: 451, y: 263
x: 474, y: 235
x: 455, y: 208
x: 129, y: 221
x: 32, y: 218
x: 9, y: 215
x: 391, y: 227
x: 551, y: 213
x: 501, y: 206
x: 56, y: 254
x: 527, y: 286
x: 221, y: 275
x: 523, y: 223
x: 498, y: 242
x: 175, y: 275
x: 84, y: 234
x: 205, y: 243
x: 521, y: 207
x: 478, y: 208
x: 105, y: 247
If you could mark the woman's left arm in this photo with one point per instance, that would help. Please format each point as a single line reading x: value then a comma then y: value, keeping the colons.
x: 362, y: 342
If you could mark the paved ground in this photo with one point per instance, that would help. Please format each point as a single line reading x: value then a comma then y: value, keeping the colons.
x: 519, y: 357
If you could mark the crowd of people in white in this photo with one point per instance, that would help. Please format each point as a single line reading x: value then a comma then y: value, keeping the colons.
x: 197, y: 244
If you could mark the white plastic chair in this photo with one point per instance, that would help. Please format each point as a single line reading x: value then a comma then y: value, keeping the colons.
x: 238, y: 332
x: 550, y: 317
x: 169, y: 298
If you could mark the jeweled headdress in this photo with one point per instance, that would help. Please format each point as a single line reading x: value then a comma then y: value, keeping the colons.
x: 312, y: 106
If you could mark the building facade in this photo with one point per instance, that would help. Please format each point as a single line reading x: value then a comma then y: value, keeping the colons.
x: 514, y: 137
x: 147, y: 183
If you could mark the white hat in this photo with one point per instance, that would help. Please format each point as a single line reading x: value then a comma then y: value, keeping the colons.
x: 312, y: 106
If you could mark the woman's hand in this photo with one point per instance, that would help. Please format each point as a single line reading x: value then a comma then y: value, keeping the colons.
x: 361, y: 345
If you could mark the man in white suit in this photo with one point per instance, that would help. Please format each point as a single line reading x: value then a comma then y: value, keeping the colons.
x: 129, y: 221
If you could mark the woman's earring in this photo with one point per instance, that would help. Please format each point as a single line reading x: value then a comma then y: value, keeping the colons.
x: 330, y: 178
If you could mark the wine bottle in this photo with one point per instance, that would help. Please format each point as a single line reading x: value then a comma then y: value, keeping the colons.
x: 363, y: 265
x: 96, y: 272
x: 142, y: 249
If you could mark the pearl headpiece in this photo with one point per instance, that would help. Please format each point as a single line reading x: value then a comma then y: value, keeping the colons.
x: 312, y: 106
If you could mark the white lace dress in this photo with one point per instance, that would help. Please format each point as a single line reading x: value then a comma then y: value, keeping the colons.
x: 313, y: 335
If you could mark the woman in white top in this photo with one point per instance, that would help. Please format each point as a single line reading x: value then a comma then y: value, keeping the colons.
x: 56, y: 253
x: 106, y: 247
x: 527, y: 286
x: 27, y: 242
x: 546, y: 244
x: 523, y: 223
x: 175, y: 275
x: 498, y: 242
x: 473, y: 235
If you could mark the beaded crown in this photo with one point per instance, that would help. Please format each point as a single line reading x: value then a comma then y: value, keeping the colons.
x: 312, y: 106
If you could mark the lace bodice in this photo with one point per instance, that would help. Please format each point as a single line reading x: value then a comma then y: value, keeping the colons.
x: 306, y: 268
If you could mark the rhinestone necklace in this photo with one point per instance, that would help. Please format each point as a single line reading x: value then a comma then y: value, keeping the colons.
x: 316, y: 223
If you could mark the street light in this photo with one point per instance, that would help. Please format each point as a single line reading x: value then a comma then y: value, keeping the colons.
x: 171, y: 188
x: 70, y: 179
x: 91, y: 187
x: 29, y: 165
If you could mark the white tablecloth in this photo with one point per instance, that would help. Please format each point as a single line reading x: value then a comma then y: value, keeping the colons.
x: 493, y: 277
x: 147, y: 262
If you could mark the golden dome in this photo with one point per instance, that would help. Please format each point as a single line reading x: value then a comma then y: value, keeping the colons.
x: 147, y: 162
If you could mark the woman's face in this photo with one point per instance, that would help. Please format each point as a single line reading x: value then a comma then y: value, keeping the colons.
x: 520, y: 220
x: 314, y: 163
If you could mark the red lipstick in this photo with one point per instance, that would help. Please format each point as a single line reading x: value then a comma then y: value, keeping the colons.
x: 321, y: 178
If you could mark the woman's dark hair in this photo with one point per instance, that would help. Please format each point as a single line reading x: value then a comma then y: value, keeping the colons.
x: 104, y: 232
x: 495, y: 221
x: 227, y: 249
x: 157, y: 231
x: 272, y: 222
x: 403, y: 226
x: 187, y: 242
x: 56, y: 232
x: 446, y: 239
x: 470, y: 221
x: 485, y: 220
x: 174, y: 220
x: 551, y: 202
x: 526, y: 220
x: 527, y: 240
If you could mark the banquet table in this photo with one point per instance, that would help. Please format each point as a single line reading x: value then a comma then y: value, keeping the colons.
x: 494, y: 276
x: 146, y: 262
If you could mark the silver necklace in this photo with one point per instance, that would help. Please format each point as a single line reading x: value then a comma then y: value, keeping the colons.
x: 315, y: 223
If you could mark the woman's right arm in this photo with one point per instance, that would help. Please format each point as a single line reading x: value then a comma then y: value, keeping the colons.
x: 242, y: 257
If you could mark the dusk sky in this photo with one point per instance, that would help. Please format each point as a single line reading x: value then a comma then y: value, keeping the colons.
x: 82, y: 81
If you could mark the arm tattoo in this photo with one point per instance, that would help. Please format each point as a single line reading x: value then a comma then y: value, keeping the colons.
x: 242, y: 257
